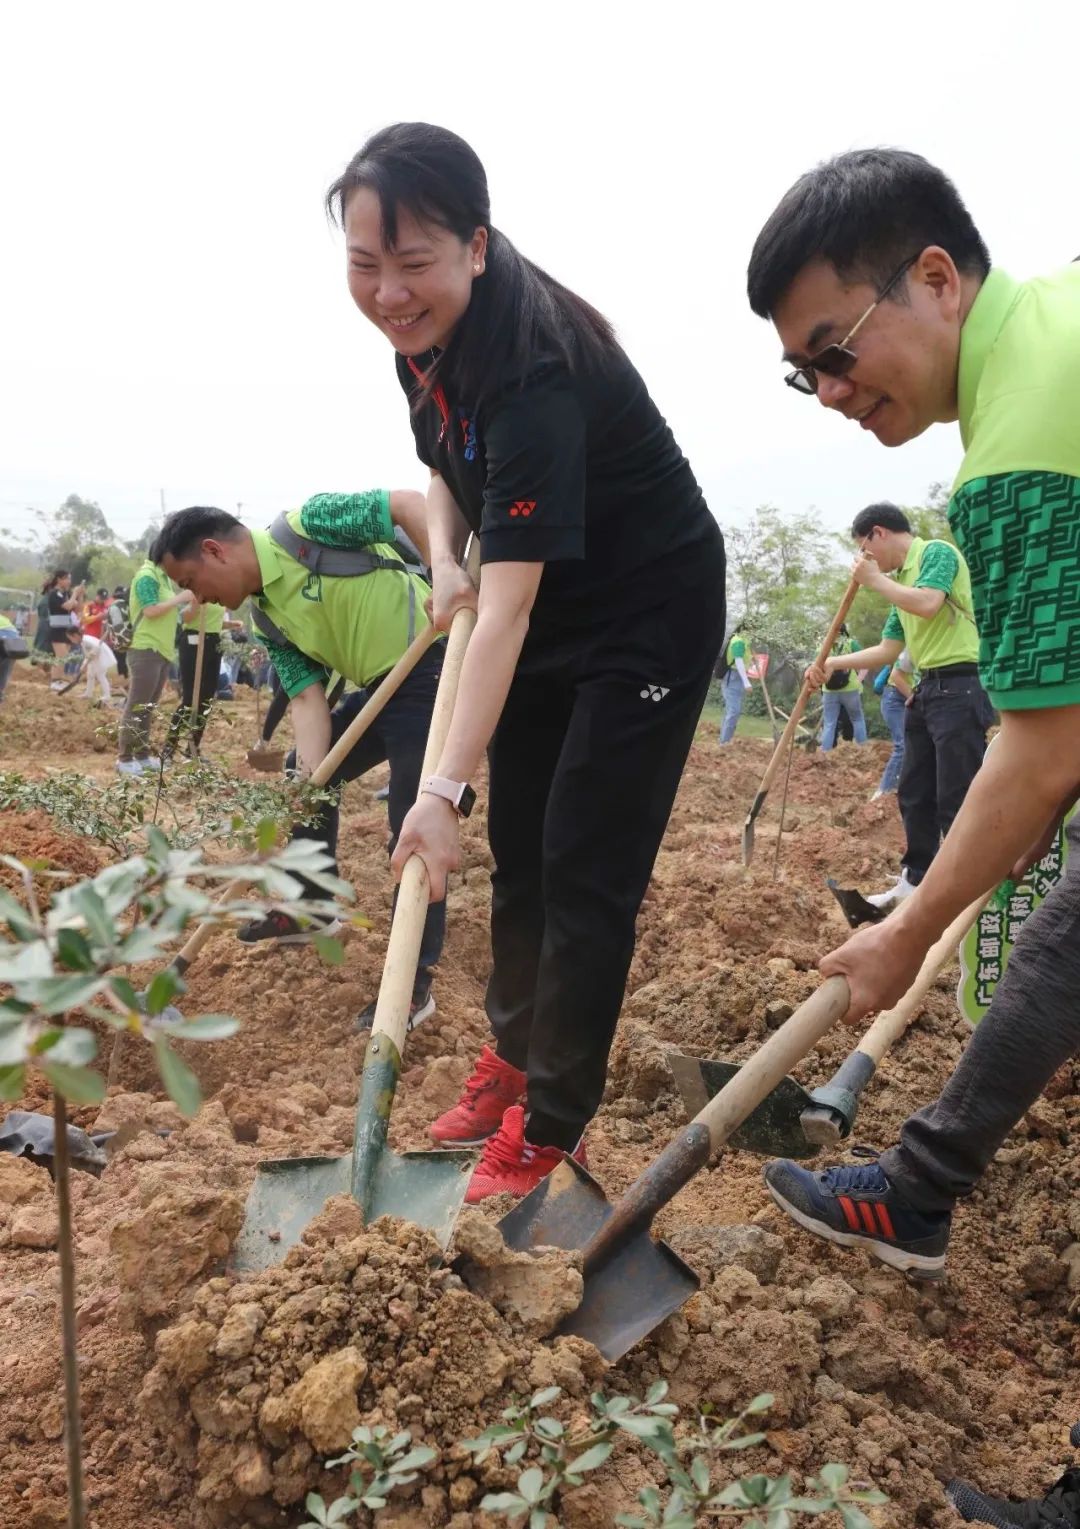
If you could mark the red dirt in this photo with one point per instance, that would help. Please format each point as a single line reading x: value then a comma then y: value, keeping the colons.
x: 193, y: 1416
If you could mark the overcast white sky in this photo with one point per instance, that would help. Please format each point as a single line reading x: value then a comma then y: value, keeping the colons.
x: 175, y: 315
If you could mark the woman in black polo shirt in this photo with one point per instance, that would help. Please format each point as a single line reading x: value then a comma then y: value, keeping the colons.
x: 600, y: 614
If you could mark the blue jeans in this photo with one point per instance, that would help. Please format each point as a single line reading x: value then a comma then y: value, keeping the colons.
x: 833, y: 701
x: 397, y: 736
x: 733, y: 691
x: 894, y: 716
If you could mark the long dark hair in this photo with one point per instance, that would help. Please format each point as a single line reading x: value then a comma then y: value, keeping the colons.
x: 53, y: 580
x: 517, y: 311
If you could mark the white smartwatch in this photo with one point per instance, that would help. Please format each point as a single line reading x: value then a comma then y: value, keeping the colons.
x: 458, y: 793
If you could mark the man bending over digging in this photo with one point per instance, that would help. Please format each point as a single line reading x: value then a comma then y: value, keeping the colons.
x: 357, y: 624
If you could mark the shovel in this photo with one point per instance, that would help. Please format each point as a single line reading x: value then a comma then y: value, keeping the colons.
x: 632, y: 1283
x: 788, y: 734
x: 195, y: 709
x: 427, y: 1188
x: 793, y: 1122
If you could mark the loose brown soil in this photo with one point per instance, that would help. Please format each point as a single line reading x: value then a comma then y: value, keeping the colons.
x: 212, y: 1402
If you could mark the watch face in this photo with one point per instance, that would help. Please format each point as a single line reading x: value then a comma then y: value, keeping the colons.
x: 467, y: 802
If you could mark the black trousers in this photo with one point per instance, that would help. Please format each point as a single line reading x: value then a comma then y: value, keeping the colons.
x: 944, y: 743
x: 397, y: 736
x: 182, y: 720
x: 1031, y: 1027
x: 584, y: 766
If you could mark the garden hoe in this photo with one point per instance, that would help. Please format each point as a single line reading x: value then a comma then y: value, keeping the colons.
x: 792, y: 1122
x: 262, y: 755
x: 632, y: 1283
x: 427, y: 1188
x: 788, y: 735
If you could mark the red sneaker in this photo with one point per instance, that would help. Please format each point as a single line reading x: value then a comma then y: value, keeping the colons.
x: 511, y: 1165
x: 493, y: 1087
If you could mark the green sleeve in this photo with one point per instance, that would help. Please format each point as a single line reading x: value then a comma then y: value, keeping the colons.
x: 892, y: 631
x: 147, y: 590
x: 348, y: 520
x: 295, y: 670
x: 738, y: 649
x: 938, y: 568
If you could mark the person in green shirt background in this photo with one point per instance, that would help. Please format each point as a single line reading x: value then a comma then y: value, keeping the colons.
x: 153, y: 606
x: 735, y: 684
x: 842, y: 693
x: 184, y: 718
x: 315, y: 625
x: 947, y: 721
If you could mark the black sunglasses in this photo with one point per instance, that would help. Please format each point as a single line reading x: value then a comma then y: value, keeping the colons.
x: 837, y: 360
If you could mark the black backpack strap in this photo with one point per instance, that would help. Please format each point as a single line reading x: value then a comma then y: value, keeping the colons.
x: 334, y: 562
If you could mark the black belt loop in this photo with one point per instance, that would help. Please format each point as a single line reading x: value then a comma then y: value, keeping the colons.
x: 958, y: 671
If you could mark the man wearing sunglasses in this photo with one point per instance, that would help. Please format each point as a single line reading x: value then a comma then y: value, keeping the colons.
x: 881, y: 290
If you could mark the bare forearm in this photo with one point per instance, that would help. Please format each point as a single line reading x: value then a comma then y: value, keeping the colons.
x: 311, y: 728
x: 485, y: 681
x: 866, y: 658
x: 408, y: 509
x: 917, y: 602
x: 447, y: 529
x: 1032, y: 767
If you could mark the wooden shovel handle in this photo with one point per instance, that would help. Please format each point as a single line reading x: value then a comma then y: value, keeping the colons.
x: 890, y: 1025
x: 196, y: 694
x: 804, y: 694
x: 407, y: 929
x: 324, y: 771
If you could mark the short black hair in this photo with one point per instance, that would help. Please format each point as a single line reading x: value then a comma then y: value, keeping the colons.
x: 865, y: 212
x: 890, y: 516
x: 181, y: 531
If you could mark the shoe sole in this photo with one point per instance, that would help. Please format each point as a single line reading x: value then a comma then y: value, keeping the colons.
x: 448, y: 1145
x: 922, y: 1266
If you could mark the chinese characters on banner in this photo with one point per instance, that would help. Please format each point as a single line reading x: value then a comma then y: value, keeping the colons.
x: 985, y: 949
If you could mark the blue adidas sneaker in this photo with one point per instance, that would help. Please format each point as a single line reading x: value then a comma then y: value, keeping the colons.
x: 856, y: 1206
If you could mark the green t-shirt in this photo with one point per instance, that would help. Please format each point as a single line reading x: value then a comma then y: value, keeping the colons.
x: 950, y: 637
x: 358, y: 626
x: 841, y: 646
x: 738, y: 648
x: 215, y: 621
x: 1015, y: 504
x: 150, y: 586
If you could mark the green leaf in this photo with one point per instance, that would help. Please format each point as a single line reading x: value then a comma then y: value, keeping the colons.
x: 745, y: 1441
x: 549, y: 1428
x: 538, y: 1518
x: 12, y: 1081
x: 162, y: 990
x: 416, y: 1459
x: 545, y: 1397
x: 854, y: 1518
x: 656, y: 1392
x: 834, y: 1476
x: 55, y: 995
x: 73, y: 951
x: 73, y: 1048
x: 266, y: 833
x: 531, y: 1484
x: 25, y: 963
x: 516, y: 1453
x: 91, y: 907
x: 179, y: 1080
x: 15, y: 1042
x: 16, y: 917
x: 590, y: 1460
x: 205, y: 1027
x: 331, y: 950
x: 760, y: 1403
x: 503, y: 1502
x: 78, y: 1084
x: 699, y: 1473
x: 124, y: 991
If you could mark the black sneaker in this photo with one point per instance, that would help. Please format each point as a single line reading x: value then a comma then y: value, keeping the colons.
x: 1059, y: 1509
x: 857, y: 1207
x: 421, y: 1007
x: 286, y: 929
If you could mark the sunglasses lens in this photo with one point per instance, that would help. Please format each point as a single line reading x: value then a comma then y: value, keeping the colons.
x: 834, y: 361
x: 803, y: 381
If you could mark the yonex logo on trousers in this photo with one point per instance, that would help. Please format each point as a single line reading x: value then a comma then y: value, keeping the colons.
x: 654, y: 692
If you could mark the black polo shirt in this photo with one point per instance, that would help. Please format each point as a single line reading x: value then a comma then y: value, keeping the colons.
x: 581, y: 472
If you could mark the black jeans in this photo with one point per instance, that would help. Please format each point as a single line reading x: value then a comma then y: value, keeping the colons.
x: 182, y: 720
x: 398, y: 735
x: 1031, y: 1028
x: 944, y: 743
x: 584, y: 766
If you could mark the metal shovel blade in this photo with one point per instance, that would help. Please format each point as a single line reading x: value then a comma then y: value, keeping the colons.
x: 773, y: 1129
x: 427, y: 1188
x: 854, y: 905
x: 629, y: 1294
x: 270, y: 761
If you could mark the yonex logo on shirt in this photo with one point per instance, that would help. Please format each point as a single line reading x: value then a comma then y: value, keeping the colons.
x: 523, y: 507
x: 654, y: 692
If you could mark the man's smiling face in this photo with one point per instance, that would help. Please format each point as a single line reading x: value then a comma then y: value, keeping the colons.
x: 907, y: 351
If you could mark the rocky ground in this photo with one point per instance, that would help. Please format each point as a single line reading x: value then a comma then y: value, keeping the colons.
x: 213, y: 1401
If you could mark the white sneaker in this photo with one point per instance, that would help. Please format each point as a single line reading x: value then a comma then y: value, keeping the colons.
x: 892, y: 895
x: 151, y: 762
x: 128, y: 767
x: 57, y: 685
